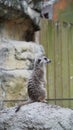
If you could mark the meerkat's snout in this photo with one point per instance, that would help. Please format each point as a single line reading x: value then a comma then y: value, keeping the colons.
x: 48, y: 61
x: 45, y: 60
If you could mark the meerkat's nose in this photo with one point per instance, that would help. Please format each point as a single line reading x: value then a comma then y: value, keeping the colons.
x: 49, y: 61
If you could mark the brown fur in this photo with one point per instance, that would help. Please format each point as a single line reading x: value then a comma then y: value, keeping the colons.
x: 37, y: 82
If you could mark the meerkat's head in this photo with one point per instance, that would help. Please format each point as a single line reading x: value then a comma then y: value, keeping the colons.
x: 42, y: 61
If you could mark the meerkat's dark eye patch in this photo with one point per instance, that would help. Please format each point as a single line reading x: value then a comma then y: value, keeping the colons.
x: 45, y: 58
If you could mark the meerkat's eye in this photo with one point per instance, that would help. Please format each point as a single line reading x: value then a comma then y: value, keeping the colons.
x: 39, y: 60
x: 45, y: 58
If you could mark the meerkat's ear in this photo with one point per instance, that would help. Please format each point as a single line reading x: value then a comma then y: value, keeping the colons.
x: 36, y: 58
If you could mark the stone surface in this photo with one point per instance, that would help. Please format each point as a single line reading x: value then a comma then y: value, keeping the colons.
x: 37, y: 116
x: 16, y: 64
x: 18, y: 21
x: 19, y: 29
x: 18, y: 54
x: 15, y: 9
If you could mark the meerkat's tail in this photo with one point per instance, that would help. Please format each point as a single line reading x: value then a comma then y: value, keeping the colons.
x: 21, y: 104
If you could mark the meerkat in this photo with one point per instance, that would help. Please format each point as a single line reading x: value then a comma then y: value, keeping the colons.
x: 36, y: 84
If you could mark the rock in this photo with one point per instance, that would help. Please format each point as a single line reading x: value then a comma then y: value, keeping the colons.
x: 16, y: 64
x: 19, y: 54
x: 37, y: 116
x: 37, y: 5
x: 15, y: 9
x: 18, y: 21
x: 13, y: 84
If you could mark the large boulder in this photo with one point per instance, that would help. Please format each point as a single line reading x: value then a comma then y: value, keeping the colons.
x: 37, y: 116
x: 16, y: 65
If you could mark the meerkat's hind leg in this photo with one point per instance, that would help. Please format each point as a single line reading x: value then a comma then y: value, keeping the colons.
x: 44, y: 101
x: 40, y: 99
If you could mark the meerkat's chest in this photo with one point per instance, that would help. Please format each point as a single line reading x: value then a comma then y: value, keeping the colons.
x: 44, y: 76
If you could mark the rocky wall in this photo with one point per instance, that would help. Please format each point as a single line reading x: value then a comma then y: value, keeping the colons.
x: 16, y: 64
